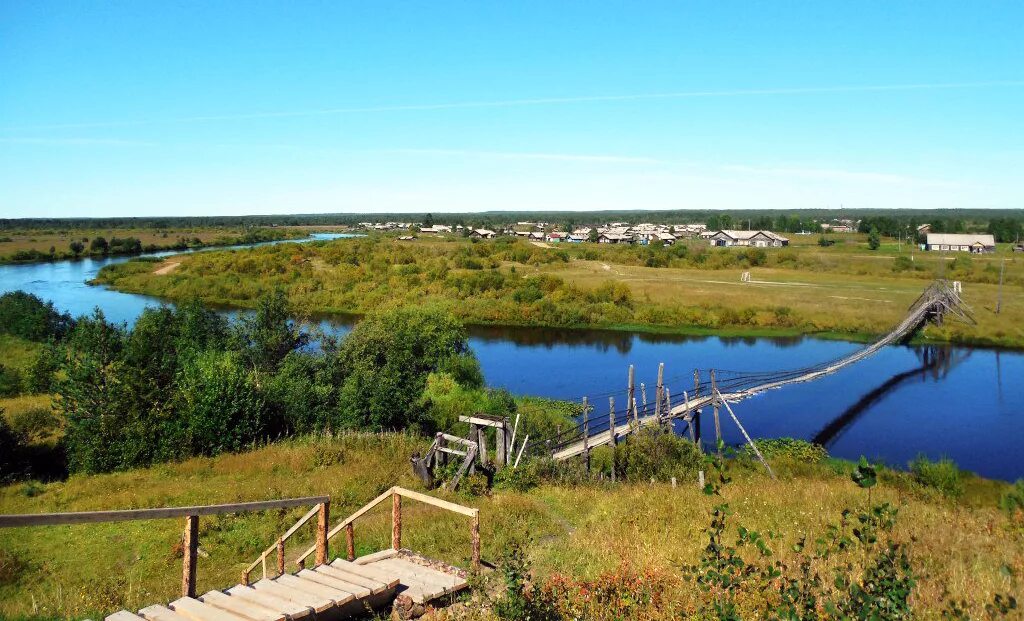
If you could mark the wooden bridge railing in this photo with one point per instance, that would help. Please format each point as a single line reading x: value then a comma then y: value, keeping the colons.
x: 396, y: 494
x: 191, y: 515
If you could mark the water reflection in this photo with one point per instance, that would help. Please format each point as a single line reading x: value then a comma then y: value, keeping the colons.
x: 935, y: 363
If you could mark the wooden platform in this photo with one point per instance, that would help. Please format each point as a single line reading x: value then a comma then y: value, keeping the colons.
x: 421, y: 579
x: 336, y: 591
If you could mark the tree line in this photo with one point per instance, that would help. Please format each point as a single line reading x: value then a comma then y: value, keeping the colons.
x: 186, y: 381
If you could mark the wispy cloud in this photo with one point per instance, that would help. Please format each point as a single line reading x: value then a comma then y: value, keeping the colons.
x: 560, y: 157
x: 542, y: 101
x: 77, y: 142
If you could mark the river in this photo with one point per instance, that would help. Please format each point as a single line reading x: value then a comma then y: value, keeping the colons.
x: 958, y: 402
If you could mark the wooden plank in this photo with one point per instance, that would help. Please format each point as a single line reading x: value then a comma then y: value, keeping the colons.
x: 374, y: 586
x: 242, y: 607
x: 424, y: 582
x: 91, y: 517
x: 294, y: 610
x: 198, y: 611
x: 366, y: 570
x: 376, y: 556
x: 161, y: 613
x: 485, y: 421
x: 458, y: 440
x: 337, y: 583
x: 339, y: 596
x: 316, y: 602
x: 123, y: 615
x: 452, y: 451
x: 437, y: 502
x: 412, y: 573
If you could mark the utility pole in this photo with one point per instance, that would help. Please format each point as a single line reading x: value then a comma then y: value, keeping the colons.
x: 999, y: 298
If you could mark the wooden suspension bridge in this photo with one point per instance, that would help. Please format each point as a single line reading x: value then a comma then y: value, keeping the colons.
x: 939, y: 300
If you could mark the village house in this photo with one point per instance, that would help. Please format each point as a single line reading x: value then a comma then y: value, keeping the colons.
x: 437, y: 228
x: 556, y: 237
x: 482, y: 234
x: 976, y: 243
x: 757, y: 239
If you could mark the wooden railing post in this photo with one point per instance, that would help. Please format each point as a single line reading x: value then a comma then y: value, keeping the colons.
x: 190, y: 547
x: 350, y: 541
x: 631, y: 397
x: 396, y: 521
x: 475, y: 534
x: 280, y: 556
x: 322, y: 521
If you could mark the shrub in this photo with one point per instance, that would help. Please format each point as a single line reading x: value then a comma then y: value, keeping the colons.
x: 658, y: 454
x: 386, y: 360
x: 520, y: 479
x: 942, y: 475
x: 790, y: 448
x: 35, y: 424
x: 11, y: 381
x: 29, y: 317
x: 220, y: 407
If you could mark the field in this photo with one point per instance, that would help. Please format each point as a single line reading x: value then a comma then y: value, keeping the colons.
x: 28, y: 245
x: 967, y: 546
x: 844, y: 290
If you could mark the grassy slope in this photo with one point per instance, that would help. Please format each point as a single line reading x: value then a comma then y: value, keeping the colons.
x: 844, y: 290
x: 92, y: 569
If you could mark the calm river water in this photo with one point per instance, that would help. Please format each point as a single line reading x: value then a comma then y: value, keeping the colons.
x: 963, y: 403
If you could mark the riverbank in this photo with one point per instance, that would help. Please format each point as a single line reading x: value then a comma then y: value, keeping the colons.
x: 963, y: 548
x: 26, y: 246
x: 809, y: 291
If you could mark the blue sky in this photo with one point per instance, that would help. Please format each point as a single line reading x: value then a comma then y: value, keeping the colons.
x: 161, y: 108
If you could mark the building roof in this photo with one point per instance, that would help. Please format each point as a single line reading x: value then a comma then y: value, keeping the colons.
x: 751, y: 234
x: 961, y: 239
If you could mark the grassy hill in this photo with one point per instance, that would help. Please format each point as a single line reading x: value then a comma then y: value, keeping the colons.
x: 961, y: 549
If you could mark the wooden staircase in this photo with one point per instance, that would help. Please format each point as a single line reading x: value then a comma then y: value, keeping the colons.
x: 339, y: 590
x: 333, y: 590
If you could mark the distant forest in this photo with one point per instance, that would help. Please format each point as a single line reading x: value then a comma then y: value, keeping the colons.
x: 1007, y: 224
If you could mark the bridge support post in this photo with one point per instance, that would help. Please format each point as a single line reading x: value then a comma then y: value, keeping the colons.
x: 659, y: 393
x: 695, y: 415
x: 350, y: 542
x: 631, y: 397
x: 718, y: 425
x: 611, y: 426
x: 586, y: 433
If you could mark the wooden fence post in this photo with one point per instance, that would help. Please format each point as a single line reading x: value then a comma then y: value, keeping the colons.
x: 586, y: 433
x: 481, y: 439
x: 643, y: 395
x: 696, y: 412
x: 280, y: 556
x: 190, y: 548
x: 322, y: 524
x: 396, y: 521
x: 667, y: 408
x: 350, y: 542
x: 475, y: 535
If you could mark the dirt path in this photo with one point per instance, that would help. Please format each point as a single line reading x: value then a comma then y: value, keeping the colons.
x: 166, y: 268
x: 540, y: 244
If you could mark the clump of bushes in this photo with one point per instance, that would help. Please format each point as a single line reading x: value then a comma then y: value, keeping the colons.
x: 790, y: 448
x: 657, y: 454
x: 942, y: 475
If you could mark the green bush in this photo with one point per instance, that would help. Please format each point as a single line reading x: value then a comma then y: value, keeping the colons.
x: 12, y: 383
x: 29, y: 317
x: 658, y: 454
x: 35, y: 424
x: 942, y: 475
x: 220, y: 407
x: 790, y: 448
x: 520, y: 479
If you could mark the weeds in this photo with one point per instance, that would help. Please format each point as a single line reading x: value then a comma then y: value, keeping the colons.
x: 942, y: 475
